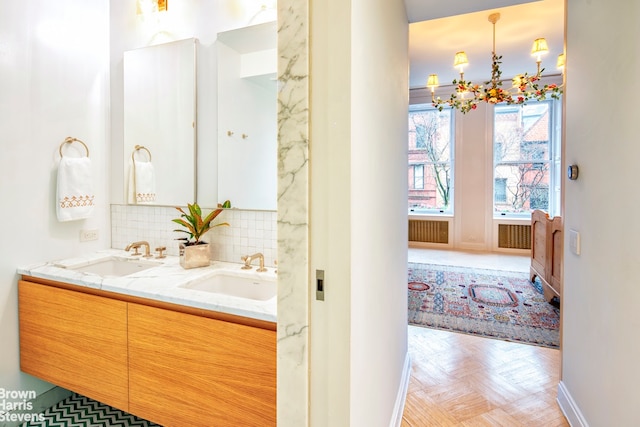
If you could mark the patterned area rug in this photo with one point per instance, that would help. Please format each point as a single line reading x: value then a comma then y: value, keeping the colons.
x: 80, y: 411
x: 495, y: 304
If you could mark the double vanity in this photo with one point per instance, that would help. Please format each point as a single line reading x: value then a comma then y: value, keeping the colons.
x: 174, y: 346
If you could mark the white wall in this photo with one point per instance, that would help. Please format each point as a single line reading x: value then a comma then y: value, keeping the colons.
x: 330, y: 222
x: 379, y: 129
x: 600, y: 316
x: 53, y: 84
x: 358, y: 215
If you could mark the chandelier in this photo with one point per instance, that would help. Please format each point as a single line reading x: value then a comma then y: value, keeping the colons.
x: 525, y: 87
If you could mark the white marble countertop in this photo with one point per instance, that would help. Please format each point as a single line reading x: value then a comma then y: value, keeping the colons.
x: 162, y: 283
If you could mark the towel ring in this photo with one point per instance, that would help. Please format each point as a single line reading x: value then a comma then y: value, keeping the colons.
x: 140, y: 147
x: 69, y: 140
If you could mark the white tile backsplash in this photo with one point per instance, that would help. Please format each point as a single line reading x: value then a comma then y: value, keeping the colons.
x: 248, y: 232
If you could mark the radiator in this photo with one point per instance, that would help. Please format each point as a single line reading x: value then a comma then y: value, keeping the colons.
x: 428, y: 231
x: 514, y: 236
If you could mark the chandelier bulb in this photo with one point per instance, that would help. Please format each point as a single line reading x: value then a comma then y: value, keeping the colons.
x: 460, y: 61
x: 538, y: 49
x: 432, y: 83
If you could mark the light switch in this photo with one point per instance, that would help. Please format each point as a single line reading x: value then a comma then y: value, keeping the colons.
x: 574, y: 241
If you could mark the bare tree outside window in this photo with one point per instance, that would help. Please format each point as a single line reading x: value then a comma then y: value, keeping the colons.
x: 430, y: 137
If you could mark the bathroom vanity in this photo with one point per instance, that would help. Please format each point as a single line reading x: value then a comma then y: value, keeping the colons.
x: 150, y: 345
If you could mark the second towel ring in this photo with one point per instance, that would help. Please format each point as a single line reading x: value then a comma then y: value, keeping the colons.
x: 140, y: 147
x: 69, y: 140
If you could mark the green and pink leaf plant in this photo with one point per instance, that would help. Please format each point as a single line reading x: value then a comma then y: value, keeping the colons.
x: 195, y: 226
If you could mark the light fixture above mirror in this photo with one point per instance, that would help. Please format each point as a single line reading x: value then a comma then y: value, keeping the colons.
x: 525, y: 87
x: 145, y: 7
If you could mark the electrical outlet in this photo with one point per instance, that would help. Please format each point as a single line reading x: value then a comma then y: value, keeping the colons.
x: 87, y: 235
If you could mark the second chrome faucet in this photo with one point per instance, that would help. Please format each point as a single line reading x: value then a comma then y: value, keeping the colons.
x: 249, y: 258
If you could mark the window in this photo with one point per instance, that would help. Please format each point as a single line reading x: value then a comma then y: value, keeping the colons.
x: 430, y: 160
x: 539, y: 198
x: 418, y: 177
x: 526, y: 147
x: 500, y: 191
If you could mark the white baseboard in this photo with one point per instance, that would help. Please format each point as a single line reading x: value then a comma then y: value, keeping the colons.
x: 569, y: 408
x: 401, y: 397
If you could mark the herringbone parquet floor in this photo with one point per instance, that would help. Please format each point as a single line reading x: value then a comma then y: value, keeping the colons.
x: 460, y: 380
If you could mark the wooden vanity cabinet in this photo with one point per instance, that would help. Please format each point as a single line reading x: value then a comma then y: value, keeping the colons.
x: 75, y: 340
x: 170, y: 364
x: 208, y: 371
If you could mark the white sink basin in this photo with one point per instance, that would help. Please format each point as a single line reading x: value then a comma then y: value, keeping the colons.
x: 237, y: 286
x: 114, y: 266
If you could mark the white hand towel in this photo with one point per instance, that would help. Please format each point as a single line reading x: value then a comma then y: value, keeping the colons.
x: 142, y: 183
x: 75, y: 196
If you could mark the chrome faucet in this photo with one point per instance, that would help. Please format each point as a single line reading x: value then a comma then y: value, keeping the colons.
x: 136, y: 245
x: 249, y: 258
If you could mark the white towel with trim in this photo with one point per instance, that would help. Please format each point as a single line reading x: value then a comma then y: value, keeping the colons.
x: 75, y: 197
x: 142, y: 183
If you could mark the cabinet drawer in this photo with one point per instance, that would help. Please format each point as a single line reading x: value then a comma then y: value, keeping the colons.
x: 187, y: 369
x: 75, y: 340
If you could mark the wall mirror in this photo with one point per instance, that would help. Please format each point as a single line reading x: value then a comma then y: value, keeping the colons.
x: 247, y: 116
x: 160, y: 123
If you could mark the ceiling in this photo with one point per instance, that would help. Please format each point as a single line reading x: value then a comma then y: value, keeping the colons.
x: 440, y: 28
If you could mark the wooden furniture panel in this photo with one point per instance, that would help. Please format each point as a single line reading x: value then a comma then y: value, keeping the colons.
x: 75, y: 340
x: 191, y: 370
x: 538, y: 241
x: 546, y: 252
x: 555, y: 245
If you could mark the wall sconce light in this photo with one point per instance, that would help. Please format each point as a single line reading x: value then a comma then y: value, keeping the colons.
x: 145, y: 7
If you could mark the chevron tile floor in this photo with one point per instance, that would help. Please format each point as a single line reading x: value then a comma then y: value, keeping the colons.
x: 80, y: 411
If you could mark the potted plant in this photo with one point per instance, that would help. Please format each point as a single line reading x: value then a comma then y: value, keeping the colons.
x: 193, y: 251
